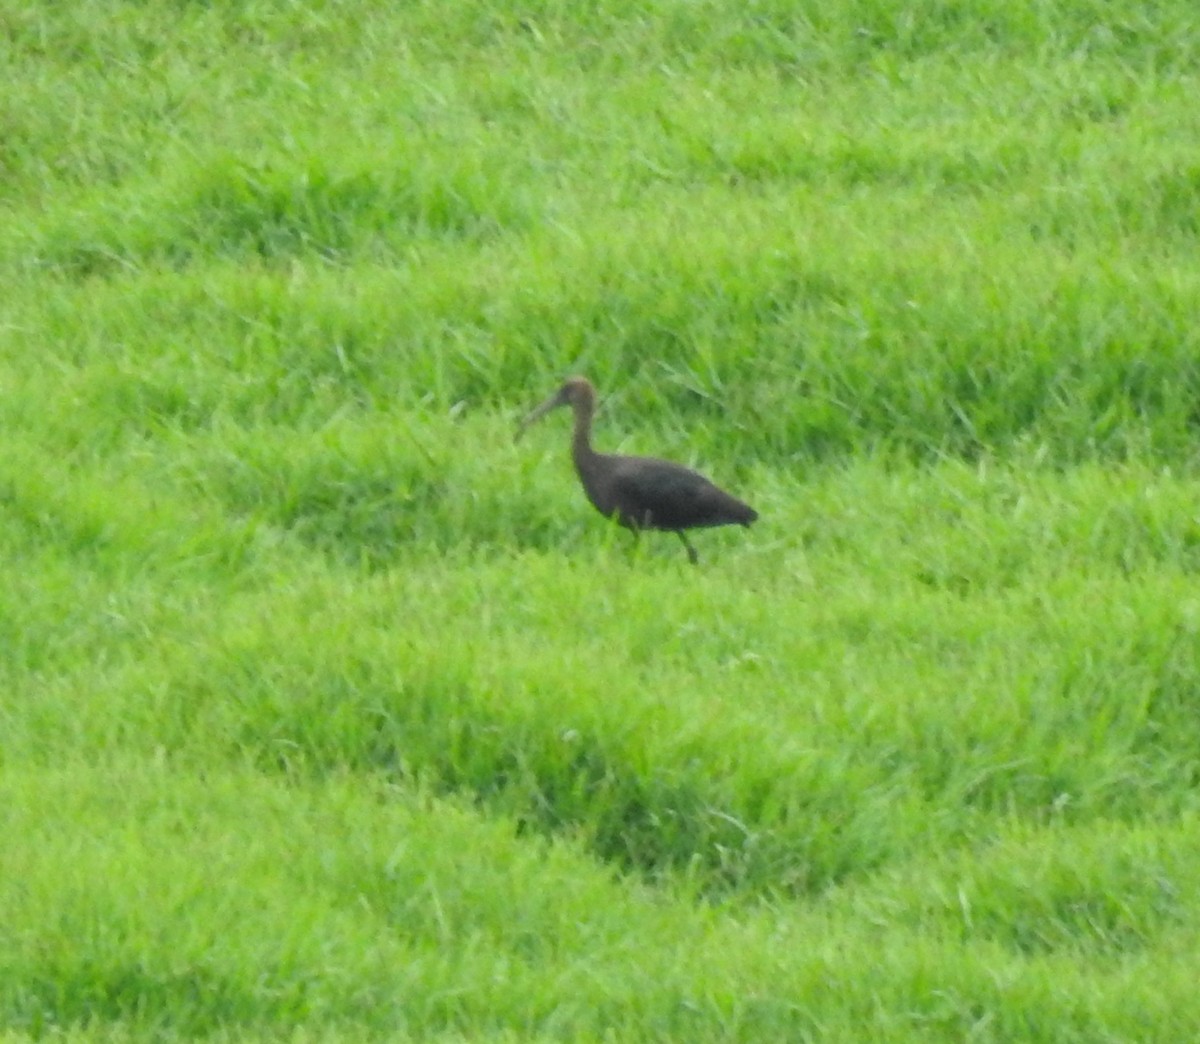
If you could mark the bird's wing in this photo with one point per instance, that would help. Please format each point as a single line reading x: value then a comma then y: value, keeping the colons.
x: 663, y: 495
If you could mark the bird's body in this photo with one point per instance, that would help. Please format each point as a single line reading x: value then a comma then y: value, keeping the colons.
x: 641, y: 492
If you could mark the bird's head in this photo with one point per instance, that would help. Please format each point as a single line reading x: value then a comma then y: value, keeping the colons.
x: 576, y: 392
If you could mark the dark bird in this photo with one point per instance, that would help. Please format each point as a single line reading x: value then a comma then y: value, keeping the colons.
x: 640, y: 492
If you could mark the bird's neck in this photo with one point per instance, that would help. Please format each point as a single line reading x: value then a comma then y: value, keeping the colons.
x: 581, y: 441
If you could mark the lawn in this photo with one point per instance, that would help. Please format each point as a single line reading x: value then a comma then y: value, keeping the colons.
x: 328, y: 712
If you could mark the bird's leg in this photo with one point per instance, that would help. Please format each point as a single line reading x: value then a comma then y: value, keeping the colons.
x: 692, y: 556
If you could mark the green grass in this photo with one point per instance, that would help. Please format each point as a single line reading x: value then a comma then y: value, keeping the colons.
x: 328, y: 713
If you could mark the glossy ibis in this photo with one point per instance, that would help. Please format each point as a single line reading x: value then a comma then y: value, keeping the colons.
x: 640, y: 492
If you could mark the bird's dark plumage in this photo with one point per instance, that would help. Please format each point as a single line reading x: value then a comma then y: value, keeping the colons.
x: 640, y: 492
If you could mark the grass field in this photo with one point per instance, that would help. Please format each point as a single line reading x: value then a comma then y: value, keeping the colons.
x: 328, y: 713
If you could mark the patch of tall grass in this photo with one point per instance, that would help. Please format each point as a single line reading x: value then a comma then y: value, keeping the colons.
x: 329, y: 712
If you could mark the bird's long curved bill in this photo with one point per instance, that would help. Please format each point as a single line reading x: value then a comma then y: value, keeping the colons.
x: 537, y: 414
